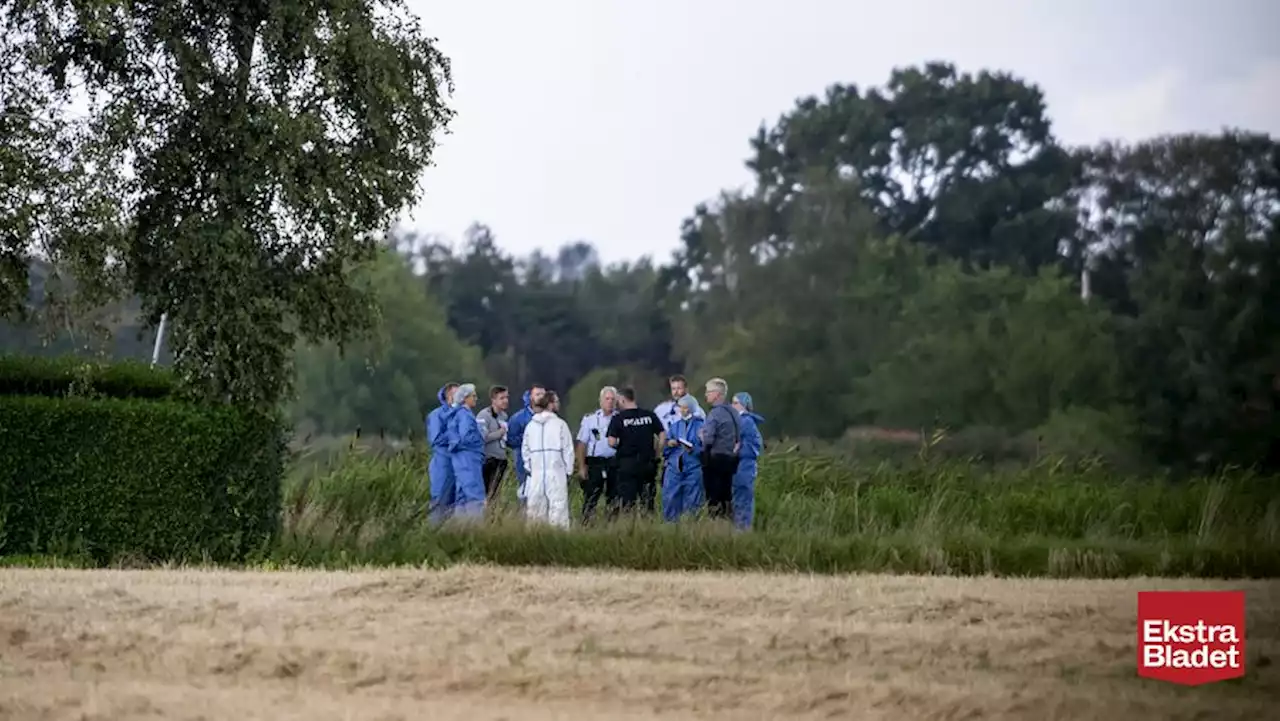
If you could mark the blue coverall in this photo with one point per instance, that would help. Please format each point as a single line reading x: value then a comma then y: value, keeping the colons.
x: 682, y: 491
x: 466, y: 451
x: 744, y: 481
x: 516, y: 426
x: 440, y: 469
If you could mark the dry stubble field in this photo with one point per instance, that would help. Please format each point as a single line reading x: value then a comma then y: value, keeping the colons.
x: 485, y: 643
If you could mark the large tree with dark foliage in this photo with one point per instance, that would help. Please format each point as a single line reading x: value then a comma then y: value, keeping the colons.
x: 964, y: 164
x: 237, y: 159
x: 1185, y: 240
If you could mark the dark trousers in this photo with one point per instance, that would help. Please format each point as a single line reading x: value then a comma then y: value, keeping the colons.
x: 717, y: 481
x: 493, y: 470
x: 629, y: 482
x: 601, y: 474
x: 649, y: 491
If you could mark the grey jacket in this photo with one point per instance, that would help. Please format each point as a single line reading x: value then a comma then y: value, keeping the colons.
x: 494, y: 434
x: 720, y: 431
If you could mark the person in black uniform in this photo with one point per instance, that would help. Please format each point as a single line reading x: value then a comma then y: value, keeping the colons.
x: 637, y: 434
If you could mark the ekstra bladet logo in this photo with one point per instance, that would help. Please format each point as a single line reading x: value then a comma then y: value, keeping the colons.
x: 1191, y: 637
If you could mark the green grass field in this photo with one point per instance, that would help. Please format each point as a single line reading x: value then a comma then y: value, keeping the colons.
x: 817, y: 511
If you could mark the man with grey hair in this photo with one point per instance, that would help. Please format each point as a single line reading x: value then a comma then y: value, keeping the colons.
x: 720, y: 437
x: 597, y: 460
x: 466, y: 450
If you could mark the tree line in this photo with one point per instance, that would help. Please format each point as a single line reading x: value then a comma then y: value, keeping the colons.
x: 922, y: 255
x: 919, y: 255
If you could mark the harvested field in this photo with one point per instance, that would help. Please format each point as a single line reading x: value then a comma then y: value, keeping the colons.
x: 489, y: 643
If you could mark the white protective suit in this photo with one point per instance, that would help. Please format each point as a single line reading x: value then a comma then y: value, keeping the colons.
x: 547, y: 453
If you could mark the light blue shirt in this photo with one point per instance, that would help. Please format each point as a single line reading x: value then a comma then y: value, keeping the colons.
x: 596, y: 443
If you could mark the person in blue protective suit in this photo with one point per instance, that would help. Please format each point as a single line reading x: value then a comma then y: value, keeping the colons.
x: 516, y: 426
x: 440, y: 469
x: 744, y: 479
x: 682, y: 492
x: 466, y: 451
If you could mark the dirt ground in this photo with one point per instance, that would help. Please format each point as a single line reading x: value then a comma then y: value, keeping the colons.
x: 486, y: 643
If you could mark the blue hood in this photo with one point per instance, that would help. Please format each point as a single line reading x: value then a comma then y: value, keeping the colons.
x: 527, y: 398
x: 755, y: 416
x: 440, y: 396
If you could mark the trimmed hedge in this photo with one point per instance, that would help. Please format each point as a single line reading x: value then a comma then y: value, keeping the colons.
x: 157, y: 479
x: 69, y: 375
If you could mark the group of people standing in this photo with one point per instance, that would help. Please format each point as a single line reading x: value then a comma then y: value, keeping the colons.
x: 704, y: 458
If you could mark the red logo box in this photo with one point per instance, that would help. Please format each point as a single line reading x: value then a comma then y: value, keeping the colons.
x: 1191, y: 637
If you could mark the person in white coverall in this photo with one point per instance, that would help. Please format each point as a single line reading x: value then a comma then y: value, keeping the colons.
x: 547, y: 452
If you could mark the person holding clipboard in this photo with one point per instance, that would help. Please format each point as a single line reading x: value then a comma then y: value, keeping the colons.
x: 682, y: 491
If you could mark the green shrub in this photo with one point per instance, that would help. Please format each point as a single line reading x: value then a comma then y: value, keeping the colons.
x: 1076, y: 434
x: 1110, y: 436
x: 155, y: 479
x: 68, y: 375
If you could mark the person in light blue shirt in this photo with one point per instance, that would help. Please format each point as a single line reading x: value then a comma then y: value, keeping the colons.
x: 597, y: 460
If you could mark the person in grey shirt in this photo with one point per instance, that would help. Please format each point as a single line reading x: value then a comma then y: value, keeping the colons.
x: 493, y: 426
x: 720, y: 437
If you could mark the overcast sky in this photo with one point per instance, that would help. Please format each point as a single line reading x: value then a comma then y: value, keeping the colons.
x: 608, y: 121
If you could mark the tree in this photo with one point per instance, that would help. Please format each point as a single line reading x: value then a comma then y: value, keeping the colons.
x: 24, y: 141
x: 910, y: 254
x: 478, y: 288
x: 244, y: 156
x: 388, y: 381
x: 551, y: 335
x: 575, y: 260
x: 48, y: 192
x: 623, y: 310
x: 851, y: 328
x: 1185, y: 236
x: 543, y: 318
x: 965, y: 164
x: 993, y: 348
x: 47, y: 326
x: 799, y: 330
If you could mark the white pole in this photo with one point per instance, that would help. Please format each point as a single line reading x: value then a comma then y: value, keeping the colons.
x: 155, y: 352
x: 1086, y: 276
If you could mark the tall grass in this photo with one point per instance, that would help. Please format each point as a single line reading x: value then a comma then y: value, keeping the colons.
x: 817, y: 511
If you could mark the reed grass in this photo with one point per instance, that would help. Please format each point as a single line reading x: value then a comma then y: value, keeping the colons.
x: 817, y: 511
